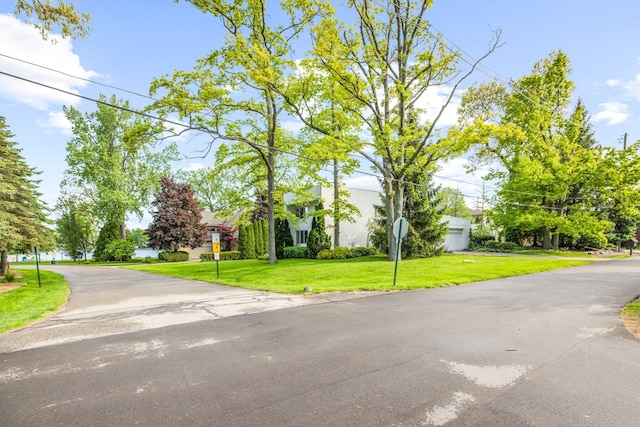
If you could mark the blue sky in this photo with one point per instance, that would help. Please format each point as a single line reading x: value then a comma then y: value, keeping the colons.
x: 133, y: 42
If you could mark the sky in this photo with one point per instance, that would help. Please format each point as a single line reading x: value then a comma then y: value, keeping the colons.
x: 132, y: 43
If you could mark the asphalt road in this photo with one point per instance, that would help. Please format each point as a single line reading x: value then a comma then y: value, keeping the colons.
x: 546, y: 349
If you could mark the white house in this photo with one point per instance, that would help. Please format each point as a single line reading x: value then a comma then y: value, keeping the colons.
x: 356, y: 233
x: 457, y: 239
x: 352, y: 234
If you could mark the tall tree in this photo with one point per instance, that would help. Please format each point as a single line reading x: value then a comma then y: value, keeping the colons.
x: 423, y: 210
x: 230, y: 94
x: 76, y: 226
x: 453, y: 203
x: 177, y: 218
x: 50, y: 16
x: 545, y: 156
x: 217, y: 189
x: 111, y: 157
x: 23, y: 219
x: 381, y: 68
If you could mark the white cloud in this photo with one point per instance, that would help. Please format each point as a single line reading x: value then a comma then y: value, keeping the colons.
x: 453, y: 174
x: 433, y: 100
x: 612, y: 113
x: 23, y: 42
x: 293, y: 126
x: 364, y: 182
x: 612, y: 82
x: 193, y: 167
x: 633, y: 87
x: 55, y: 121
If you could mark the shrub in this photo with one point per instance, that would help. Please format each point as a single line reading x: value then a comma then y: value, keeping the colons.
x: 479, y: 240
x: 363, y: 251
x: 173, y: 256
x: 120, y: 250
x: 500, y: 246
x: 295, y: 252
x: 337, y: 253
x: 224, y: 256
x: 10, y: 277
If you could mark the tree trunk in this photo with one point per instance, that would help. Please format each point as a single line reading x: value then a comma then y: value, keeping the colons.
x: 123, y: 230
x: 4, y: 262
x: 546, y: 238
x: 394, y: 200
x: 388, y: 201
x: 555, y: 241
x: 271, y: 160
x: 336, y: 205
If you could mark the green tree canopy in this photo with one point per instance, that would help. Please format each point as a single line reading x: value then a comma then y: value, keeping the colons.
x: 552, y: 172
x: 111, y: 158
x: 23, y: 216
x: 48, y: 16
x: 380, y: 67
x: 230, y: 92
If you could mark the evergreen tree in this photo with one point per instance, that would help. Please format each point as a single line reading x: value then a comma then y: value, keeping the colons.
x: 23, y: 222
x: 242, y: 241
x: 423, y: 211
x: 177, y: 221
x: 247, y: 241
x: 257, y: 232
x: 283, y: 236
x: 264, y: 229
x: 318, y: 239
x: 109, y: 233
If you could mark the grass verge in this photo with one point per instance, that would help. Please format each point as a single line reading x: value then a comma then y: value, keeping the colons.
x: 631, y: 317
x: 373, y: 273
x: 567, y: 254
x: 28, y: 303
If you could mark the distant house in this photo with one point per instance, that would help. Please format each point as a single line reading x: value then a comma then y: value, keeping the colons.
x: 352, y: 234
x: 357, y: 233
x: 457, y: 239
x: 213, y: 225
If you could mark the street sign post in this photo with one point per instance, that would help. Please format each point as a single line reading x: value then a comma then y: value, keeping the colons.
x: 37, y: 254
x: 215, y: 248
x: 400, y: 229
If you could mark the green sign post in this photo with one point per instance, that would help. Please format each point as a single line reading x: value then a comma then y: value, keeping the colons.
x: 400, y: 229
x: 37, y: 254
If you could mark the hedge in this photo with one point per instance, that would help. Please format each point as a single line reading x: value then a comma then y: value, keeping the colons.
x: 295, y: 252
x: 359, y: 251
x: 224, y: 256
x: 173, y: 256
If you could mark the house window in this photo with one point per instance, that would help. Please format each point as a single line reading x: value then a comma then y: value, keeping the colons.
x: 301, y: 236
x: 301, y: 212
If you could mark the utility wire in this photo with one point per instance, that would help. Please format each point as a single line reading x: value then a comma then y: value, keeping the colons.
x: 188, y: 127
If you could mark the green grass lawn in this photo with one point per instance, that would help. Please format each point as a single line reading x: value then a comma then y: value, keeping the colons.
x: 569, y: 254
x: 28, y: 303
x: 372, y: 273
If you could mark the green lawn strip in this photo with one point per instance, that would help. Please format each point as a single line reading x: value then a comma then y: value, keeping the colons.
x: 632, y: 309
x: 569, y: 254
x: 28, y: 303
x: 372, y: 273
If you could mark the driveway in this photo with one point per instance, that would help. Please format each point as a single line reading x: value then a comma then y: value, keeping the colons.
x: 109, y: 300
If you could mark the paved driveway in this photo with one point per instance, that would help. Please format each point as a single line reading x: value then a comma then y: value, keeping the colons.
x: 109, y: 300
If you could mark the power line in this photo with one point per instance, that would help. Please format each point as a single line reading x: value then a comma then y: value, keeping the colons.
x: 201, y: 129
x: 77, y: 77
